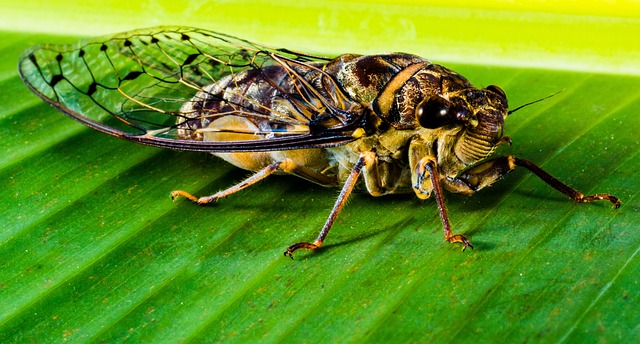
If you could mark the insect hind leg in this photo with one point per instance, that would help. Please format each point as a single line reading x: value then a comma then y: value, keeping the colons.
x: 285, y: 165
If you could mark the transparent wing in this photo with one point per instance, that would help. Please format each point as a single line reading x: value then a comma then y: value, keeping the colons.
x: 144, y: 85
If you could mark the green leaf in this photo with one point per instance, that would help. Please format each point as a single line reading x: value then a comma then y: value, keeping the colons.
x: 93, y: 249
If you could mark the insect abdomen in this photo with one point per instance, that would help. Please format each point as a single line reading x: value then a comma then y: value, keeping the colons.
x: 218, y: 114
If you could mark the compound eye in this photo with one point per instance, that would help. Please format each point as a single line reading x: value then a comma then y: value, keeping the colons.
x: 434, y: 112
x: 497, y: 90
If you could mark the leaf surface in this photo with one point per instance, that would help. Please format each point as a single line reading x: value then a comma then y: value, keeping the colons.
x: 92, y: 248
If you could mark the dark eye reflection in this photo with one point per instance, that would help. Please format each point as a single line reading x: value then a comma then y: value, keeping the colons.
x: 497, y: 90
x: 437, y: 112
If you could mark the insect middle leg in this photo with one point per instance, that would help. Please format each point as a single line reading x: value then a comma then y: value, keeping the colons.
x: 286, y: 165
x: 365, y: 160
x: 487, y: 173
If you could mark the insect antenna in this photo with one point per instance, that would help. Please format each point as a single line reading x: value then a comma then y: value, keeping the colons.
x: 533, y: 102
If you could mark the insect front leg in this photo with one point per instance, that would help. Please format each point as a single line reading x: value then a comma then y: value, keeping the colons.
x: 487, y: 173
x: 426, y: 180
x: 366, y: 160
x: 285, y: 165
x: 427, y: 168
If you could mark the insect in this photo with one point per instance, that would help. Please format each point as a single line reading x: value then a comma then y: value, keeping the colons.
x: 387, y: 123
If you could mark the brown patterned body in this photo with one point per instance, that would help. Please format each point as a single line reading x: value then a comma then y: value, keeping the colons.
x: 386, y: 88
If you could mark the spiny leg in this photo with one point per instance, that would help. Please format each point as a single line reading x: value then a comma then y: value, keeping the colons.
x: 286, y: 165
x: 564, y: 188
x: 338, y: 205
x: 428, y: 164
x: 489, y: 172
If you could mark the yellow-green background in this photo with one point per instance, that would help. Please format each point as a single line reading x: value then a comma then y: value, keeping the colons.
x: 92, y: 248
x: 586, y: 35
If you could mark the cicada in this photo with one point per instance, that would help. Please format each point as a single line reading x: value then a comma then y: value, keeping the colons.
x: 386, y: 123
